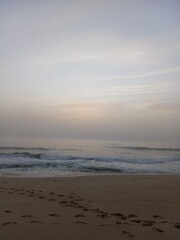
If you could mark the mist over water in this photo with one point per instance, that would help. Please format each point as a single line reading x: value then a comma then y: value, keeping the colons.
x: 57, y: 157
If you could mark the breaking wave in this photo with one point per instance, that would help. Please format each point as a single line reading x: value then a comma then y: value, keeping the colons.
x: 27, y: 156
x: 39, y: 161
x: 22, y: 154
x: 146, y: 148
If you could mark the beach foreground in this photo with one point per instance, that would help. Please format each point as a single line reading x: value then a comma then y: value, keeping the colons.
x: 91, y: 207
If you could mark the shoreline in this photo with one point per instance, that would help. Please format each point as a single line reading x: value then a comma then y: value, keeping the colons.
x: 109, y: 207
x: 87, y: 175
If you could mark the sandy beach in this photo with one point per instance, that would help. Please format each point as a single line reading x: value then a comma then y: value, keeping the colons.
x: 91, y: 207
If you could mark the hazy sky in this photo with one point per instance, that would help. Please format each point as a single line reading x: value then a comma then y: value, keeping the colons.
x: 102, y: 69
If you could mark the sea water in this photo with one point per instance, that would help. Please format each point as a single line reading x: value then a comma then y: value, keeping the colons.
x: 57, y: 157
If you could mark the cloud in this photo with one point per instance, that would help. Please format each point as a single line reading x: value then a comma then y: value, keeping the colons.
x: 165, y: 107
x: 137, y: 91
x: 90, y: 67
x: 150, y: 74
x: 103, y: 49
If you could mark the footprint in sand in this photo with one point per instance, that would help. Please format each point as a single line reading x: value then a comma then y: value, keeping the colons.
x: 117, y: 222
x: 81, y: 222
x: 63, y: 202
x: 132, y: 215
x: 9, y: 223
x: 158, y: 216
x: 79, y: 215
x: 35, y: 222
x: 158, y: 230
x: 79, y: 206
x: 127, y: 233
x: 41, y: 197
x: 136, y: 221
x: 177, y: 226
x: 53, y: 215
x: 103, y: 215
x: 85, y: 209
x: 8, y: 211
x: 26, y: 216
x: 70, y: 197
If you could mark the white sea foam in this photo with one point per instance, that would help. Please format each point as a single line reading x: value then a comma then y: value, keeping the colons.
x: 86, y: 158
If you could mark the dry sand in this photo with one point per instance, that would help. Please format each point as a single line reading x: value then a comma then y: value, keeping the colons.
x: 90, y: 208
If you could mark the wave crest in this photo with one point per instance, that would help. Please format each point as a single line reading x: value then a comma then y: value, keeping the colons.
x: 22, y: 154
x: 146, y: 148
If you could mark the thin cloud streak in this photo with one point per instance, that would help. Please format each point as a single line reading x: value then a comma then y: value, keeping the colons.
x: 131, y: 91
x: 165, y: 107
x: 149, y: 74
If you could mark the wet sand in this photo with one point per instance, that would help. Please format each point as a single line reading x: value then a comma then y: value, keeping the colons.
x: 91, y: 208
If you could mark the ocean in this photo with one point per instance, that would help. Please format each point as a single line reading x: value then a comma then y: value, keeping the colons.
x: 57, y: 157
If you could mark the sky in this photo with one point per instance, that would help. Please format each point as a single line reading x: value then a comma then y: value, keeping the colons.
x: 99, y: 69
